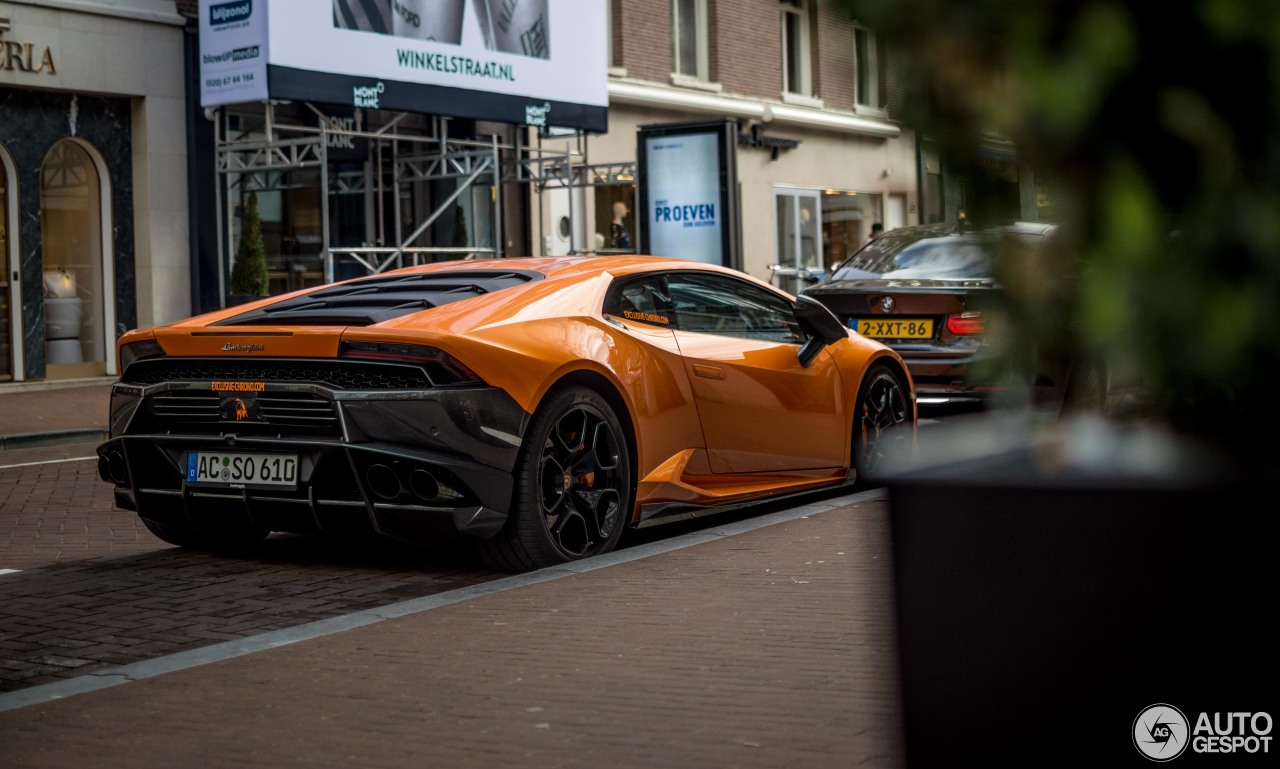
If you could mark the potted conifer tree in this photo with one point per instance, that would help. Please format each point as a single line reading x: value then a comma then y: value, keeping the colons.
x: 1053, y: 579
x: 461, y: 238
x: 249, y: 273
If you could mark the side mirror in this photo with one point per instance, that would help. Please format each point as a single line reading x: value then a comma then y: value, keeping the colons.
x: 819, y: 324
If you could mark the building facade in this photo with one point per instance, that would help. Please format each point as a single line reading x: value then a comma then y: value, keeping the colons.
x: 819, y: 157
x: 93, y: 195
x: 411, y: 147
x: 115, y: 177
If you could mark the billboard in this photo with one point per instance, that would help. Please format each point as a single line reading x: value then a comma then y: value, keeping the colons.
x: 531, y: 62
x: 688, y: 191
x: 233, y: 52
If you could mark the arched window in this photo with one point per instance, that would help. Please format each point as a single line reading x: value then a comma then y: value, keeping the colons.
x: 76, y: 259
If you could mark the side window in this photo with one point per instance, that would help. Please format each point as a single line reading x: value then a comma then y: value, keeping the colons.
x: 643, y: 300
x: 689, y: 38
x: 796, y: 75
x: 717, y: 304
x: 868, y: 69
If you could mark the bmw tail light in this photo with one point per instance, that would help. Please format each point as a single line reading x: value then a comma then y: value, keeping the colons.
x: 136, y: 351
x: 441, y: 367
x: 966, y: 324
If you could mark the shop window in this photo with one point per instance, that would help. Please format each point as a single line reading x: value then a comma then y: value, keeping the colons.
x: 74, y: 260
x: 847, y: 217
x: 795, y: 48
x: 689, y: 38
x: 615, y: 219
x: 289, y: 213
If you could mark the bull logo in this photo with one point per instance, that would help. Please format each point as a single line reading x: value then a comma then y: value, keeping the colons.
x: 239, y: 409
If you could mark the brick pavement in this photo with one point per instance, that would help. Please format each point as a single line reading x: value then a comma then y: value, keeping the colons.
x: 78, y: 617
x: 770, y: 648
x: 45, y: 407
x: 53, y: 511
x: 95, y: 589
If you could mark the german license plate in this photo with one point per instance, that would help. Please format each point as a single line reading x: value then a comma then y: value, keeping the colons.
x: 237, y: 469
x: 896, y: 328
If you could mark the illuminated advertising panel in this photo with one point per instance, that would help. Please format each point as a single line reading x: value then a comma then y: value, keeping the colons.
x: 688, y: 191
x: 530, y: 62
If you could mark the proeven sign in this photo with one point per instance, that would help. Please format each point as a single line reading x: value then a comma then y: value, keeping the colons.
x: 684, y: 187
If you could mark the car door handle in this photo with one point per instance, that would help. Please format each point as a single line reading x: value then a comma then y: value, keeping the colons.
x: 708, y: 372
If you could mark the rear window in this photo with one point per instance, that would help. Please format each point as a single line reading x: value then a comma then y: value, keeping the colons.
x: 371, y: 300
x: 931, y: 253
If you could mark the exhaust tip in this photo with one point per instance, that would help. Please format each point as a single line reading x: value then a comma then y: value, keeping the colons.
x: 424, y: 485
x: 104, y: 468
x: 116, y: 468
x: 383, y: 481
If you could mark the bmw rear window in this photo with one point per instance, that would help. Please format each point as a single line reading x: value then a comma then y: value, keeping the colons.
x: 927, y: 254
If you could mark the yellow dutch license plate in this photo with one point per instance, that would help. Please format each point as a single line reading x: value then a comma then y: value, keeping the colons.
x: 896, y: 328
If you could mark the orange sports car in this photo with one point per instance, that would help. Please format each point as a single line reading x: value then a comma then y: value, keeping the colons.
x: 536, y: 406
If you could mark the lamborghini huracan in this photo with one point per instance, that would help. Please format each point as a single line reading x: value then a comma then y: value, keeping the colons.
x: 532, y: 407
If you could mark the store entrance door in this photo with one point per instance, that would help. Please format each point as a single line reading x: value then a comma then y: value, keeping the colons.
x: 10, y: 303
x: 76, y: 260
x: 799, y: 239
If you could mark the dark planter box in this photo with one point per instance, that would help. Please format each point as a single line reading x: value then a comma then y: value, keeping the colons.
x: 1042, y: 604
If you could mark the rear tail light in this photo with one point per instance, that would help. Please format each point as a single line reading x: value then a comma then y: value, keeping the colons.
x: 136, y: 351
x: 966, y: 324
x: 441, y: 367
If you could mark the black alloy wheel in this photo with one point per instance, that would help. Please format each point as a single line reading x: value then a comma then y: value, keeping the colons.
x: 573, y: 486
x: 882, y: 429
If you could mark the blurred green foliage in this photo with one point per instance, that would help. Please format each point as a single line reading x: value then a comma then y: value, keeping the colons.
x: 1154, y: 127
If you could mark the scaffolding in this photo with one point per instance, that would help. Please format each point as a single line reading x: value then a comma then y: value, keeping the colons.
x: 251, y: 163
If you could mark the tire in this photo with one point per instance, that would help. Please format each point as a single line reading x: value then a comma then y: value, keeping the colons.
x: 882, y: 424
x: 572, y: 494
x: 184, y: 535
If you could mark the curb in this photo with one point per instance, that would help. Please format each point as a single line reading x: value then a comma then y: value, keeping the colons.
x: 52, y: 438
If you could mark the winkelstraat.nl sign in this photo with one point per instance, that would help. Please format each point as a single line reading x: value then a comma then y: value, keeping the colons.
x: 538, y: 62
